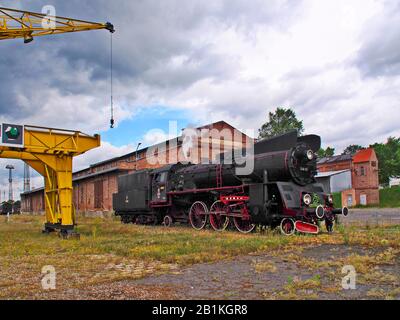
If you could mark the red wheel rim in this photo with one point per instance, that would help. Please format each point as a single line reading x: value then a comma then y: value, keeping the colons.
x: 198, y: 215
x: 167, y: 221
x: 218, y: 219
x: 287, y: 227
x: 244, y: 225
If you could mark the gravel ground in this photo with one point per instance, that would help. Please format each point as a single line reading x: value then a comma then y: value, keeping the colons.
x: 277, y: 275
x: 237, y: 279
x: 373, y: 216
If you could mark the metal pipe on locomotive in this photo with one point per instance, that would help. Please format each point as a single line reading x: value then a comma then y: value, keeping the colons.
x: 280, y: 192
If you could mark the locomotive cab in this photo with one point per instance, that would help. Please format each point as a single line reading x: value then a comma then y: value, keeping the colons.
x: 159, y: 186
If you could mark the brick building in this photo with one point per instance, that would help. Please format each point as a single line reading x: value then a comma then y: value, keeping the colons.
x: 94, y: 186
x: 364, y: 176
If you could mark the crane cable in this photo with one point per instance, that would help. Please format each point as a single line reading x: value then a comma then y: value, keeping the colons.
x: 112, y: 121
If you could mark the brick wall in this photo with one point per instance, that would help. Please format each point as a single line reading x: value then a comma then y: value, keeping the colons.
x: 33, y: 202
x: 95, y: 193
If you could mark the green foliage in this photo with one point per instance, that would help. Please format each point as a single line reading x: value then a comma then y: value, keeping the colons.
x: 352, y: 149
x: 316, y: 201
x: 328, y: 152
x: 389, y: 159
x: 337, y: 200
x: 390, y: 197
x: 281, y: 121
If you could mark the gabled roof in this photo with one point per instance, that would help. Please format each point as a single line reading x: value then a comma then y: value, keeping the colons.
x: 341, y: 158
x: 330, y: 173
x: 364, y: 155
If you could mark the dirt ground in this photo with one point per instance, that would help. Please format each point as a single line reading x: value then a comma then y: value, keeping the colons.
x: 313, y: 272
x: 281, y: 275
x: 303, y: 267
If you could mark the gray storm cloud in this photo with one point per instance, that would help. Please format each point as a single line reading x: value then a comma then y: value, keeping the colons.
x: 231, y: 60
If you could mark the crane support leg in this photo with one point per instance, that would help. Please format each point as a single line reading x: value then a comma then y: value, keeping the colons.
x: 57, y: 173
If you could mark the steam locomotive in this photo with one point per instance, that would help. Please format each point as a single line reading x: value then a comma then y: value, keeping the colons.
x: 10, y: 207
x: 280, y: 192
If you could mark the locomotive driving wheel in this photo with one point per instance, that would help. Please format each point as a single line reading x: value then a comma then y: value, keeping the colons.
x: 198, y: 215
x: 243, y: 222
x: 244, y: 225
x: 218, y: 216
x: 288, y: 227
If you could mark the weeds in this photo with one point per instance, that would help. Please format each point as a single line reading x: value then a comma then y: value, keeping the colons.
x: 109, y: 251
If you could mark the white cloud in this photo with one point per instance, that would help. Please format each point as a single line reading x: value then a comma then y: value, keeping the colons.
x: 334, y: 62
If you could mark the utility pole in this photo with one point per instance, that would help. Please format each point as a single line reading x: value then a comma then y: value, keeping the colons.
x: 27, y: 178
x: 10, y: 168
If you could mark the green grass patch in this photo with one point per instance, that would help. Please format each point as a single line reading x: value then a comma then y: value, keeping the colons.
x: 337, y: 199
x: 390, y: 197
x: 110, y: 251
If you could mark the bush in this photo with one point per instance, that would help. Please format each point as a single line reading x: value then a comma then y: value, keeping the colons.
x: 390, y: 197
x: 337, y: 200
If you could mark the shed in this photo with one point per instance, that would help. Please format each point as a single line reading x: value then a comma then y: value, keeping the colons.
x: 335, y: 181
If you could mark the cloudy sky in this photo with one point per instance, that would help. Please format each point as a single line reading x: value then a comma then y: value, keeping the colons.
x: 335, y: 62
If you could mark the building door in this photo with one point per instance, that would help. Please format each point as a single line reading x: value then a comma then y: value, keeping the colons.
x: 349, y: 200
x: 363, y: 199
x: 98, y: 194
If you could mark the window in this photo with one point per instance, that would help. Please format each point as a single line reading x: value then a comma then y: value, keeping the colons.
x: 373, y: 164
x: 362, y: 171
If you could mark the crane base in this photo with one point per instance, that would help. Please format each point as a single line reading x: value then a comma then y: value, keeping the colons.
x: 64, y: 232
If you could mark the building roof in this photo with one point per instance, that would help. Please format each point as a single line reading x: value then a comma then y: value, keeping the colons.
x: 98, y: 173
x: 41, y: 189
x: 208, y: 126
x: 341, y: 158
x: 364, y: 155
x: 330, y: 173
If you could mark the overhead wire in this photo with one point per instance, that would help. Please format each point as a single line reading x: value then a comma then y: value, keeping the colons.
x: 112, y: 121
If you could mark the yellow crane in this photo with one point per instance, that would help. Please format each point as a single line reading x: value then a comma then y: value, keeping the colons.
x: 49, y: 151
x: 27, y: 25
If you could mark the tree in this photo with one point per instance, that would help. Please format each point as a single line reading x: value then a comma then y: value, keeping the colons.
x: 281, y: 121
x: 328, y: 152
x: 389, y: 159
x: 352, y: 149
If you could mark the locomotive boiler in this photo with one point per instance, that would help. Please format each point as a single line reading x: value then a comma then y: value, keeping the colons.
x: 280, y: 191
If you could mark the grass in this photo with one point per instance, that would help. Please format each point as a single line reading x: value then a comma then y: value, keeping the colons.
x: 109, y: 251
x: 390, y: 197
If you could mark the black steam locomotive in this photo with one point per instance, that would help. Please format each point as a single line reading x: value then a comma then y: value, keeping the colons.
x: 280, y: 192
x: 10, y: 207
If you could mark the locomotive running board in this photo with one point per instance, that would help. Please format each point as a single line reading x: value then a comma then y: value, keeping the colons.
x: 308, y: 228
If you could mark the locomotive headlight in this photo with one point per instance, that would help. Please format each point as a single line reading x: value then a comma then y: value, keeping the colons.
x: 307, y: 199
x: 310, y: 155
x: 330, y: 199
